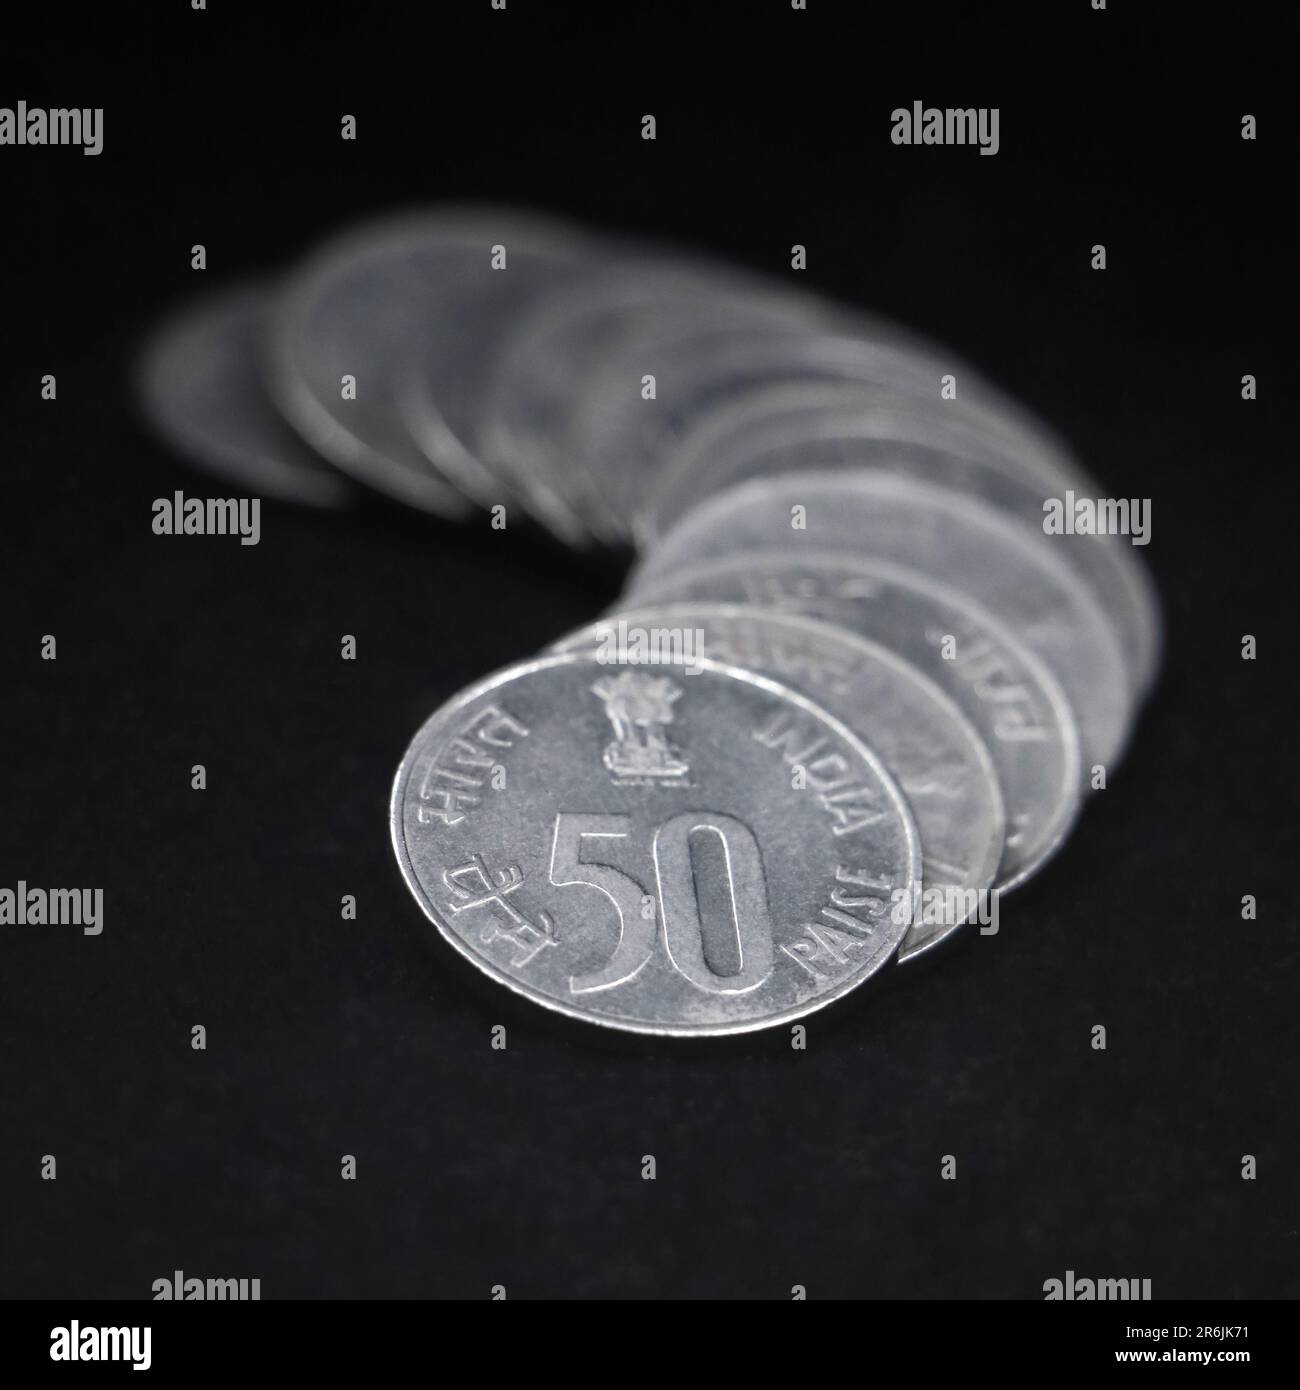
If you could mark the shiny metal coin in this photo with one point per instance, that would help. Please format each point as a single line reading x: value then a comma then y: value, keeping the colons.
x: 698, y: 373
x: 1014, y: 702
x: 199, y: 384
x: 926, y: 743
x: 745, y: 437
x: 954, y: 539
x: 403, y: 299
x: 846, y: 425
x: 544, y: 373
x: 443, y: 393
x: 628, y: 846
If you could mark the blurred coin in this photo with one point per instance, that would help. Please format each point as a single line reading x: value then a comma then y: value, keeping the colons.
x: 630, y: 438
x: 827, y: 425
x: 543, y: 378
x: 954, y: 539
x: 199, y: 383
x: 379, y: 304
x: 492, y: 274
x: 628, y: 846
x: 748, y: 434
x: 1012, y: 699
x: 923, y: 739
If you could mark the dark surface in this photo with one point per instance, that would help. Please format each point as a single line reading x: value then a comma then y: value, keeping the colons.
x: 326, y: 1037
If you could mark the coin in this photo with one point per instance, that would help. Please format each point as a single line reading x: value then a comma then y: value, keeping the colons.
x: 628, y: 846
x: 925, y: 742
x: 199, y: 384
x: 957, y: 540
x: 833, y: 425
x: 490, y: 276
x: 1012, y: 699
x: 747, y: 435
x: 544, y: 372
x: 378, y: 304
x: 697, y: 373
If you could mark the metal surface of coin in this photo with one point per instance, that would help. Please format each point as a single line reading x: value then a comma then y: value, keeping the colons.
x: 491, y: 282
x: 379, y: 303
x: 829, y: 426
x: 627, y: 845
x: 954, y: 539
x: 199, y: 383
x: 544, y: 372
x: 735, y: 441
x: 696, y: 374
x: 1011, y: 698
x: 925, y: 742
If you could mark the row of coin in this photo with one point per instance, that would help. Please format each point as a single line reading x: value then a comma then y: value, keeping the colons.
x: 856, y: 685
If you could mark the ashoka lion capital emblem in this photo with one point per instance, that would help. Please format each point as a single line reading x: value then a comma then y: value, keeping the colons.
x: 639, y: 706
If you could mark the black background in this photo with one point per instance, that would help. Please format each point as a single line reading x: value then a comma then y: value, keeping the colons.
x: 327, y: 1037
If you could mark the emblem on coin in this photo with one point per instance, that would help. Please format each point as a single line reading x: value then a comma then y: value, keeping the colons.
x: 639, y: 706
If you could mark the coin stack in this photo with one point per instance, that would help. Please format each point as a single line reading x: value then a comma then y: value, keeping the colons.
x: 874, y: 647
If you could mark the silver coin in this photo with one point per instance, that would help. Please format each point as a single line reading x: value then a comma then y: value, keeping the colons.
x: 627, y: 846
x: 926, y: 743
x: 617, y: 310
x: 738, y: 439
x: 199, y: 384
x: 954, y: 539
x: 375, y: 305
x: 846, y: 425
x: 443, y: 393
x: 1013, y: 700
x: 697, y: 373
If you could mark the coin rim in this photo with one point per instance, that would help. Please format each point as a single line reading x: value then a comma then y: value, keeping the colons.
x: 797, y: 407
x: 933, y: 497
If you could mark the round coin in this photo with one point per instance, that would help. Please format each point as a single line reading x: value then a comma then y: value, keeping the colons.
x: 412, y: 297
x: 628, y: 846
x: 926, y: 743
x: 620, y: 309
x: 631, y: 436
x: 490, y: 279
x: 1015, y: 703
x: 831, y: 425
x: 954, y: 539
x: 199, y: 383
